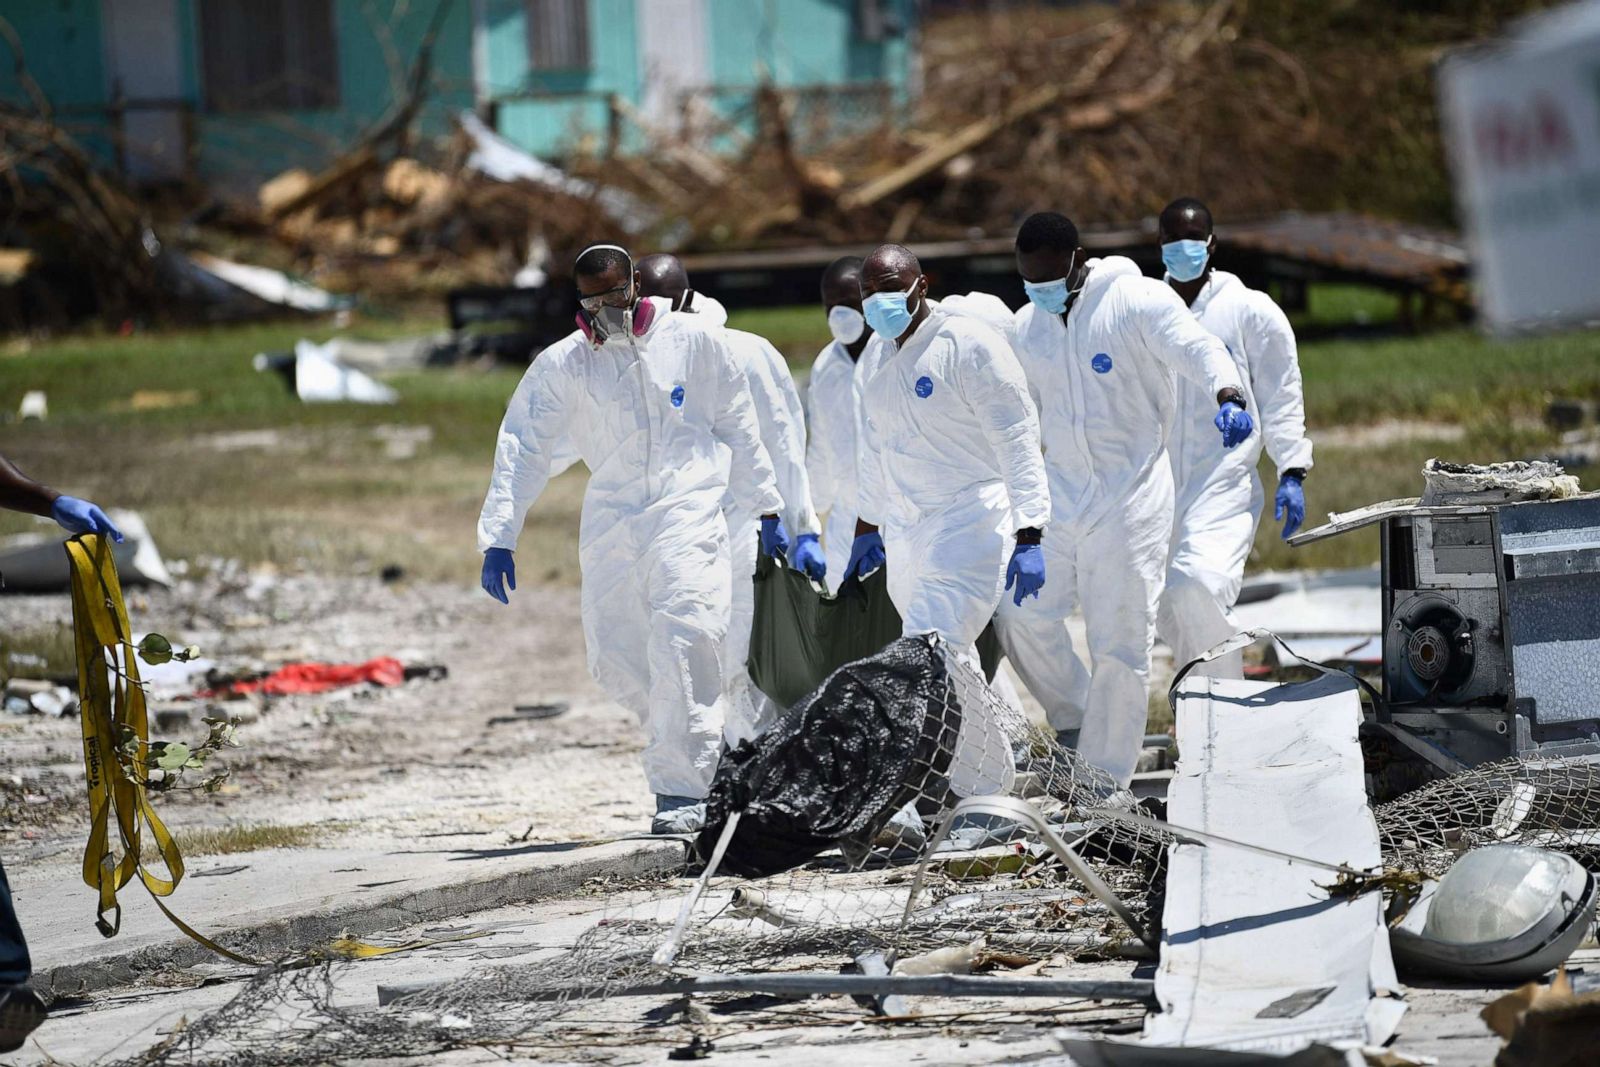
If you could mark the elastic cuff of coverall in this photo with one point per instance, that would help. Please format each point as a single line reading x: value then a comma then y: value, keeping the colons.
x: 1030, y: 521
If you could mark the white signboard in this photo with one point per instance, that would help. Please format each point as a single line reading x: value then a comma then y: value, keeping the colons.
x: 1522, y: 123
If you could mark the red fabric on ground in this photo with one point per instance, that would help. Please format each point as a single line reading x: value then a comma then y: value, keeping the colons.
x: 321, y: 677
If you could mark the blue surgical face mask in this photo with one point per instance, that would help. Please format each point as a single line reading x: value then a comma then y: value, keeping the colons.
x: 888, y: 313
x: 1053, y: 297
x: 1048, y: 296
x: 1186, y: 260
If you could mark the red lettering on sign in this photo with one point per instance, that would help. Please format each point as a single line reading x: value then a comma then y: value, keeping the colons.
x: 1513, y: 136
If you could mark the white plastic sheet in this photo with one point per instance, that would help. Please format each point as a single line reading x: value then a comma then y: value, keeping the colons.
x: 320, y: 378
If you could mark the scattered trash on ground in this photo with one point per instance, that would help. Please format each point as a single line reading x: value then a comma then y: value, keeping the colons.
x: 35, y: 407
x: 322, y: 677
x: 317, y: 377
x: 532, y: 713
x: 30, y: 696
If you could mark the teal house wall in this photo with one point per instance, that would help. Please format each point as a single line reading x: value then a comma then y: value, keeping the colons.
x: 715, y: 51
x: 243, y: 148
x: 548, y: 112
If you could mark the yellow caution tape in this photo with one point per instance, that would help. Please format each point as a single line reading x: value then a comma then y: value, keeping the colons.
x: 111, y: 703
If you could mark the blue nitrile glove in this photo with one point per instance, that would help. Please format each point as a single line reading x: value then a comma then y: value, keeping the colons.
x: 774, y: 538
x: 866, y: 555
x: 1234, y: 422
x: 1026, y: 570
x: 1290, y: 504
x: 808, y: 557
x: 498, y: 565
x: 81, y: 517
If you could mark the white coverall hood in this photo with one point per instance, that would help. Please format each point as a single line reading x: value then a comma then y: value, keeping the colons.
x: 985, y: 308
x: 708, y: 308
x: 949, y: 467
x: 1104, y: 384
x: 648, y: 418
x: 1219, y: 494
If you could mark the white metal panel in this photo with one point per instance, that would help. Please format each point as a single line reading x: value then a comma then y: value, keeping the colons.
x: 674, y: 55
x: 1254, y: 953
x: 144, y: 67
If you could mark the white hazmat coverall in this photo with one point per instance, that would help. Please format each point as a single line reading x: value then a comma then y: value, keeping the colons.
x: 648, y: 416
x: 1219, y: 494
x: 831, y: 449
x: 1103, y: 382
x: 949, y: 470
x: 781, y: 419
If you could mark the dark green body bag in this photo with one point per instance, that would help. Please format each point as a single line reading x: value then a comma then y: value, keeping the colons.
x: 801, y: 635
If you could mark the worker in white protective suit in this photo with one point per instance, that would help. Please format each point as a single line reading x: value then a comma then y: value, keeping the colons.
x: 1219, y: 494
x: 780, y: 418
x: 647, y: 398
x: 835, y: 412
x: 952, y: 489
x: 1100, y: 344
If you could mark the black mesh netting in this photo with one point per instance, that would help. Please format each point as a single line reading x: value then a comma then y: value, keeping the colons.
x: 874, y: 737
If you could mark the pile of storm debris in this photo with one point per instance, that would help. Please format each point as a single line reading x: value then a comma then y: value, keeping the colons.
x: 1107, y: 109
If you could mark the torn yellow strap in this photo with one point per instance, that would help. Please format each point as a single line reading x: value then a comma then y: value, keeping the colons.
x: 111, y: 705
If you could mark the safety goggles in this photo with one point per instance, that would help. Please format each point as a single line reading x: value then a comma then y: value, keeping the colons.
x: 617, y: 297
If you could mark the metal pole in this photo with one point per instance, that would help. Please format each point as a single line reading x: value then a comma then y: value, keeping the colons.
x: 815, y: 985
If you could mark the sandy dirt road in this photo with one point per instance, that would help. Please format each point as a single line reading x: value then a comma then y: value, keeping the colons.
x: 430, y: 758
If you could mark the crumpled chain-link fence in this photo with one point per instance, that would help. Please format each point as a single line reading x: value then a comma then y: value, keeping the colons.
x: 991, y: 880
x: 1549, y: 801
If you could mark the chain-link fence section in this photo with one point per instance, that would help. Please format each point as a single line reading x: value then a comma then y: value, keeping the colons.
x: 1551, y: 801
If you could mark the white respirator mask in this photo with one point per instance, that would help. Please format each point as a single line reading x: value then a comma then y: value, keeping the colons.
x: 846, y: 324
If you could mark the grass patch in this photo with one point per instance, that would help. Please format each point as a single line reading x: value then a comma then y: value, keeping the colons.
x: 798, y: 332
x: 1333, y: 306
x: 1350, y: 477
x: 1453, y: 376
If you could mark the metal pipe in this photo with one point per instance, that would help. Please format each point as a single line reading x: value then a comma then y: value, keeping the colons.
x: 813, y: 985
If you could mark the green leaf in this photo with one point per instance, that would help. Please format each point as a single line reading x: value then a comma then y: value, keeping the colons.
x: 173, y: 755
x: 155, y: 650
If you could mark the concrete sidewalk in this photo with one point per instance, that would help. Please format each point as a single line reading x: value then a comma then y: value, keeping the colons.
x: 278, y: 903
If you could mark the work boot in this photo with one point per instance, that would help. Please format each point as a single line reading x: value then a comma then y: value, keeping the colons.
x: 678, y: 815
x: 21, y: 1012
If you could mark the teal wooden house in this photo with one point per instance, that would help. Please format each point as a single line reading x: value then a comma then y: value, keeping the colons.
x: 227, y: 92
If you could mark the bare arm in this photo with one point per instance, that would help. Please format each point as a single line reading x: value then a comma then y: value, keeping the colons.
x: 18, y: 492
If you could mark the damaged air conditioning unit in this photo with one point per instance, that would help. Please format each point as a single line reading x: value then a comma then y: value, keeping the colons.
x: 1491, y: 614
